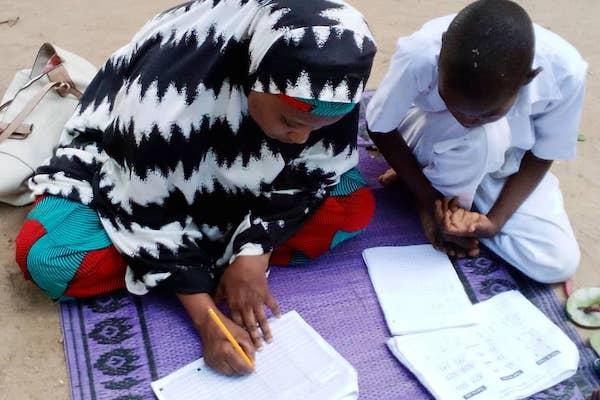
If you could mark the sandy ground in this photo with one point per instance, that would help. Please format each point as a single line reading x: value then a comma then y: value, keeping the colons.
x: 31, y: 357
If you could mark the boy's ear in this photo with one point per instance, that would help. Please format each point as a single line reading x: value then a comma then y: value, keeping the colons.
x: 441, y: 47
x: 531, y: 75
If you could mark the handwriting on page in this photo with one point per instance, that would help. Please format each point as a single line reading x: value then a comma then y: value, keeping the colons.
x: 298, y: 362
x: 514, y: 351
x: 417, y: 288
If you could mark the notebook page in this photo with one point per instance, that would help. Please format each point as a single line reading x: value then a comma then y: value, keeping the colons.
x: 417, y: 288
x: 513, y: 353
x: 298, y: 364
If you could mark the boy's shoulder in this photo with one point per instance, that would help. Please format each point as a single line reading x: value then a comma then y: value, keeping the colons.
x: 556, y: 53
x: 419, y: 51
x: 427, y: 40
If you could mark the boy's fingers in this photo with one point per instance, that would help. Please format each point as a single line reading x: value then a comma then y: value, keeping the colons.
x: 450, y: 251
x: 448, y: 219
x: 259, y: 312
x: 474, y: 252
x: 453, y: 205
x: 458, y: 216
x: 437, y: 211
x: 445, y: 202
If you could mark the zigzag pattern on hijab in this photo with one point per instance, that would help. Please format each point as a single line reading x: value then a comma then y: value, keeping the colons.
x: 162, y: 137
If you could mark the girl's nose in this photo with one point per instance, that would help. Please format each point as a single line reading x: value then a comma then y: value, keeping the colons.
x: 300, y: 135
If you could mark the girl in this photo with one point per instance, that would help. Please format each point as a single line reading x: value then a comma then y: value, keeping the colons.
x: 221, y: 138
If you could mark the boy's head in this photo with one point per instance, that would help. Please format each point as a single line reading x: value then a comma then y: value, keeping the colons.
x: 486, y: 57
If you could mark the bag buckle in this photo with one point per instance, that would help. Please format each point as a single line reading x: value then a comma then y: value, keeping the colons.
x: 22, y: 132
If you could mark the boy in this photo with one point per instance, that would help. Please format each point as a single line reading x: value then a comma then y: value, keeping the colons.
x: 475, y: 108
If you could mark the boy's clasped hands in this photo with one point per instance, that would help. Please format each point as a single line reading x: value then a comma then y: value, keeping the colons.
x: 457, y: 231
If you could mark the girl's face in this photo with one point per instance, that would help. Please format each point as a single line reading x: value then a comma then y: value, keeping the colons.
x: 280, y: 121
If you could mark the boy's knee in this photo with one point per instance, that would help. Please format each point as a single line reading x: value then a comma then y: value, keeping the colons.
x: 556, y: 262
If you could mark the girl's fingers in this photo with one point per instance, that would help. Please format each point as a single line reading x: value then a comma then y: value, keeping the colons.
x: 238, y: 365
x: 273, y: 305
x: 237, y: 317
x: 224, y: 367
x: 259, y: 312
x: 251, y: 326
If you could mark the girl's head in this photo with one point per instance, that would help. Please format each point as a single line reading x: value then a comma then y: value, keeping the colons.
x: 291, y: 120
x: 309, y: 63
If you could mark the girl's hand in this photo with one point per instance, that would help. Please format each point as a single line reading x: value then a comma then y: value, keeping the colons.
x: 244, y: 286
x: 219, y: 354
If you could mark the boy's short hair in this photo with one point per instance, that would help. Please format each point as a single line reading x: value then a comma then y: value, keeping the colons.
x: 488, y: 49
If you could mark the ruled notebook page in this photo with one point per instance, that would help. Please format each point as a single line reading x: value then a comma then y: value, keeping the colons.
x: 418, y: 289
x: 298, y: 364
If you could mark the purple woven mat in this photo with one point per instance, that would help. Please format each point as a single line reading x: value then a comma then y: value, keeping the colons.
x: 116, y: 345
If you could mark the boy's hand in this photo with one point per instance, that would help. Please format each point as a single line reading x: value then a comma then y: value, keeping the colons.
x: 469, y: 224
x: 244, y: 286
x: 455, y: 245
x: 432, y: 221
x: 219, y: 354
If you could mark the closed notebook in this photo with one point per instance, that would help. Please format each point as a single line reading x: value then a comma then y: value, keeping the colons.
x: 514, y: 352
x: 418, y: 289
x: 298, y: 364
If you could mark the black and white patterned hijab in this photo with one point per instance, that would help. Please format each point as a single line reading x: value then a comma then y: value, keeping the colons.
x: 162, y: 144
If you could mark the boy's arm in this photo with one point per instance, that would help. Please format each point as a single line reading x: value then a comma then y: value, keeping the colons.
x: 431, y: 204
x: 516, y: 190
x: 394, y: 149
x: 399, y: 156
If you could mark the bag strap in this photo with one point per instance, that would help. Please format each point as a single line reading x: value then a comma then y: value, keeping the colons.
x: 60, y: 81
x: 31, y: 82
x: 21, y: 132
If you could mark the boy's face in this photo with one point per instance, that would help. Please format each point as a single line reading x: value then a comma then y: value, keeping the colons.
x: 471, y: 114
x: 281, y: 121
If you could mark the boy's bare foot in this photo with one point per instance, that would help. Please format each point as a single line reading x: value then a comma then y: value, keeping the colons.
x: 388, y: 178
x: 595, y: 395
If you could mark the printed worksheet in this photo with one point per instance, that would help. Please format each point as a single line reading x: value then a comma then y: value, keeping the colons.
x: 418, y: 289
x: 298, y: 364
x: 514, y: 352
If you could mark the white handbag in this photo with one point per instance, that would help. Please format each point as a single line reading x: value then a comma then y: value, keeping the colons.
x: 33, y: 113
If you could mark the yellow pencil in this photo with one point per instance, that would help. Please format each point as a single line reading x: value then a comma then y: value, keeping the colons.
x: 230, y: 337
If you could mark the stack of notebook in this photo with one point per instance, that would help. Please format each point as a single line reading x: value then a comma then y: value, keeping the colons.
x: 502, y: 348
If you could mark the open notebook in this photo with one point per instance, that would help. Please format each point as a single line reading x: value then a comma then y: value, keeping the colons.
x: 514, y: 352
x: 417, y: 288
x: 299, y: 364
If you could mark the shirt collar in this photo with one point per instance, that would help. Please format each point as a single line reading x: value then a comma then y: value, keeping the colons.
x: 543, y: 88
